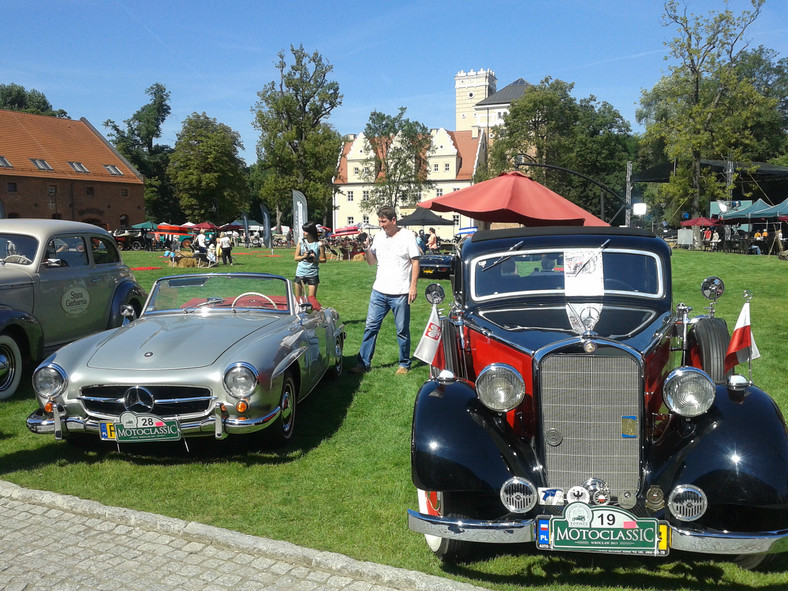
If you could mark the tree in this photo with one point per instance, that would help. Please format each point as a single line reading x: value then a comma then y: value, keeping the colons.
x: 296, y: 144
x: 206, y: 170
x: 703, y: 108
x: 397, y: 166
x: 547, y: 125
x: 14, y: 97
x: 136, y: 143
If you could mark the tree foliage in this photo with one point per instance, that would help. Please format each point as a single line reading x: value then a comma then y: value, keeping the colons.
x: 297, y: 146
x: 207, y: 172
x: 705, y: 107
x: 547, y: 125
x: 14, y: 97
x: 137, y: 143
x: 397, y: 166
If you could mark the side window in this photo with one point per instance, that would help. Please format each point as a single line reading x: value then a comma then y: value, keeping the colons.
x: 104, y: 252
x: 69, y: 249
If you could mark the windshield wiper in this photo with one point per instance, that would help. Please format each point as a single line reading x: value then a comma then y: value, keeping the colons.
x: 505, y: 257
x: 209, y: 302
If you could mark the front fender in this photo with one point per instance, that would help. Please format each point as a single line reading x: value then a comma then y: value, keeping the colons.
x: 127, y: 292
x: 458, y: 444
x: 737, y: 453
x: 25, y: 329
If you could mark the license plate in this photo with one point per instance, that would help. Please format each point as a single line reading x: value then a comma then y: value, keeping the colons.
x: 138, y: 428
x: 583, y: 528
x: 428, y: 271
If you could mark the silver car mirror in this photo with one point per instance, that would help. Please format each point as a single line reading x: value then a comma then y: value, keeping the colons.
x: 434, y: 293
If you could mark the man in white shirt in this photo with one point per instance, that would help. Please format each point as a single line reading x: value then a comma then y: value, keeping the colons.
x: 396, y: 253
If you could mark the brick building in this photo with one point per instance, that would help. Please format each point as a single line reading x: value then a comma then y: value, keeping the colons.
x: 65, y: 169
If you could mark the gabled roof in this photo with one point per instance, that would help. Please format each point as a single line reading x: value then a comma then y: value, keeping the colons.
x: 506, y: 95
x: 25, y: 137
x: 467, y: 148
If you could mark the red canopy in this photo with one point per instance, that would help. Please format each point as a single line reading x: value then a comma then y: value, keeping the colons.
x: 514, y: 197
x: 701, y: 221
x: 205, y: 226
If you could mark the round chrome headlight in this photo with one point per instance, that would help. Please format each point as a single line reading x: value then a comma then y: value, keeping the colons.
x: 688, y: 391
x: 49, y: 381
x: 500, y: 387
x: 240, y: 380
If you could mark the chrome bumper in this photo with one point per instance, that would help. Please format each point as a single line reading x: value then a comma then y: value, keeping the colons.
x: 217, y: 424
x: 518, y: 532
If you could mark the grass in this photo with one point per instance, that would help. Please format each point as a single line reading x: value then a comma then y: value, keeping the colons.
x: 344, y: 484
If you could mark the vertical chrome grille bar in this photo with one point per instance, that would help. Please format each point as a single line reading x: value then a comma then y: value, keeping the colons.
x: 591, y: 417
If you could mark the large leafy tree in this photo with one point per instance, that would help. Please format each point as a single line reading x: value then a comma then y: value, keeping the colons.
x: 14, y: 97
x: 547, y: 125
x: 137, y: 142
x: 704, y: 107
x: 397, y: 166
x: 297, y: 146
x: 207, y: 172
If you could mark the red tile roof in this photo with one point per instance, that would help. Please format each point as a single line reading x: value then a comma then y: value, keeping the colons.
x: 59, y: 141
x: 467, y: 147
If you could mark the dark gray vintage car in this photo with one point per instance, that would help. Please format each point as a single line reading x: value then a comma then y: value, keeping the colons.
x: 211, y: 355
x: 573, y: 407
x: 59, y: 281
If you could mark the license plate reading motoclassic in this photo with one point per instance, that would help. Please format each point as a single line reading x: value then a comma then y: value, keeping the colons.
x: 138, y: 428
x: 583, y: 528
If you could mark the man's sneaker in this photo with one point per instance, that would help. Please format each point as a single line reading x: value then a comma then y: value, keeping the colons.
x: 358, y: 369
x: 401, y: 371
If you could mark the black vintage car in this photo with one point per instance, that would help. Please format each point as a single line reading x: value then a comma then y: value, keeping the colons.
x: 572, y: 406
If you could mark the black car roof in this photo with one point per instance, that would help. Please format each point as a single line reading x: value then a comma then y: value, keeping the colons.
x: 523, y: 232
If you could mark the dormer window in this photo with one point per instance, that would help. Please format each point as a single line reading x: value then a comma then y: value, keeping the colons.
x: 114, y: 170
x: 4, y: 163
x: 79, y: 167
x: 41, y: 164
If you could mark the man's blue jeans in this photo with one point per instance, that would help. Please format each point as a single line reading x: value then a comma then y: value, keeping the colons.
x: 379, y: 306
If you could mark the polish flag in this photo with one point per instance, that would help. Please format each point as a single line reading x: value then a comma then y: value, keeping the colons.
x: 428, y: 345
x: 742, y: 346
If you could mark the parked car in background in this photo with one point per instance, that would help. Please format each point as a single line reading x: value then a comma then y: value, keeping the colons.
x: 572, y: 406
x: 435, y: 265
x: 130, y: 238
x: 211, y: 355
x: 59, y: 281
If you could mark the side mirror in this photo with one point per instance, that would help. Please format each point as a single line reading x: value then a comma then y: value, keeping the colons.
x: 434, y: 293
x: 306, y: 307
x: 128, y: 313
x: 712, y: 288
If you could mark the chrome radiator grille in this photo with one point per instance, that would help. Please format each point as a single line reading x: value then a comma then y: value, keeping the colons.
x: 168, y: 401
x: 591, y: 413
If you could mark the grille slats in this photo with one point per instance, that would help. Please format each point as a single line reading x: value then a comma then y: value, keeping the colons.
x: 169, y: 401
x: 585, y: 404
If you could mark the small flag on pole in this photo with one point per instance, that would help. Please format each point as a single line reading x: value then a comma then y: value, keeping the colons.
x: 742, y: 347
x: 428, y: 345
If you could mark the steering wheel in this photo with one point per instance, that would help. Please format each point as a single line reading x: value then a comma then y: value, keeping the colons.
x: 253, y: 293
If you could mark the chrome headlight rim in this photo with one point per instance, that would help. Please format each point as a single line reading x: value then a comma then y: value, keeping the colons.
x: 234, y: 382
x: 489, y: 387
x: 675, y: 390
x: 57, y: 377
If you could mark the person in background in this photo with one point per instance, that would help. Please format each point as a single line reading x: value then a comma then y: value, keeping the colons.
x: 421, y: 242
x: 226, y: 247
x: 432, y: 242
x: 309, y: 253
x: 396, y: 254
x: 201, y: 242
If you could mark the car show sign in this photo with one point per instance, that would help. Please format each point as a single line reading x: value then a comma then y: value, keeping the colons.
x: 585, y: 528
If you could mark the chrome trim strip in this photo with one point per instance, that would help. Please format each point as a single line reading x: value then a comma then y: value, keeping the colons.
x: 729, y: 542
x: 472, y: 530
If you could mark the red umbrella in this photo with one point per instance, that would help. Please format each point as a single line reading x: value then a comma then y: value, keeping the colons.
x: 346, y: 231
x: 205, y: 226
x: 701, y: 221
x: 514, y: 197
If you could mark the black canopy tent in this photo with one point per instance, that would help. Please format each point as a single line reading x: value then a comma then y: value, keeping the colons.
x: 755, y: 179
x: 424, y: 217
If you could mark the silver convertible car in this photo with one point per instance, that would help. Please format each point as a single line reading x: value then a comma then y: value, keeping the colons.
x: 211, y: 354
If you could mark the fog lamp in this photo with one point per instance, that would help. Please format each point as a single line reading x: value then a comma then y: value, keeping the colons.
x: 688, y: 391
x: 242, y: 406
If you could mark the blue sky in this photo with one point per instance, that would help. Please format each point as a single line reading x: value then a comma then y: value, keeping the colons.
x: 95, y: 58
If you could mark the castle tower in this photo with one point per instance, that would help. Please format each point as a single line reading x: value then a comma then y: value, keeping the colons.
x: 470, y: 88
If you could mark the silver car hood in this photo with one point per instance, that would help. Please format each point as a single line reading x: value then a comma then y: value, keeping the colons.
x: 175, y: 341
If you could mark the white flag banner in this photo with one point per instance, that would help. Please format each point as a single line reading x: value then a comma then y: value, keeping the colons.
x: 428, y: 345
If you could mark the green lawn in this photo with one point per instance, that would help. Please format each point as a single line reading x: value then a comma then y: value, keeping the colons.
x: 344, y: 484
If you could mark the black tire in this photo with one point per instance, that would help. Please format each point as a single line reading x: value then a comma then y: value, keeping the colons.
x: 281, y: 432
x: 457, y: 506
x: 120, y: 245
x: 137, y: 245
x: 753, y: 561
x: 712, y: 338
x: 10, y: 366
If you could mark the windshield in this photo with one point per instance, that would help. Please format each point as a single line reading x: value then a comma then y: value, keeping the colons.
x: 234, y: 293
x: 16, y: 248
x: 570, y: 272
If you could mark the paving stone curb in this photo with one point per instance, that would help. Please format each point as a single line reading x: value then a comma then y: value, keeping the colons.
x: 340, y: 564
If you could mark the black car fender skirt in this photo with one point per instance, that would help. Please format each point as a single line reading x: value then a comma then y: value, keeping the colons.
x: 737, y: 453
x: 457, y: 444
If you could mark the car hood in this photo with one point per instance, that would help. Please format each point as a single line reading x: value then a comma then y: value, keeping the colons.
x: 175, y: 341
